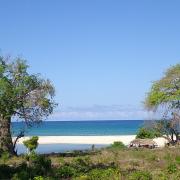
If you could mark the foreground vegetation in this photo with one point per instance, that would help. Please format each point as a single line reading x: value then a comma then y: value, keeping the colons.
x: 115, y: 163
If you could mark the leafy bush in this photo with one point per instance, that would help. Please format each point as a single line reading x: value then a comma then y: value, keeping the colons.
x: 21, y: 175
x: 177, y: 159
x: 172, y: 168
x: 66, y: 172
x: 160, y: 176
x: 104, y: 174
x: 4, y: 157
x: 5, y: 172
x: 140, y: 175
x: 42, y: 178
x: 82, y: 165
x: 83, y: 177
x: 76, y: 168
x: 31, y: 144
x: 38, y: 178
x: 145, y: 133
x: 176, y: 175
x: 40, y: 165
x: 118, y: 145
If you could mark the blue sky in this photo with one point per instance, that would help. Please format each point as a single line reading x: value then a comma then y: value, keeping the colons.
x: 101, y: 55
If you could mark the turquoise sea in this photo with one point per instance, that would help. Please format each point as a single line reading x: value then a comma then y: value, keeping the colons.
x: 81, y: 128
x: 76, y: 128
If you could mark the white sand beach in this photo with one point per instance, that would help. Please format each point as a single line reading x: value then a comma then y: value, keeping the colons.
x: 104, y: 140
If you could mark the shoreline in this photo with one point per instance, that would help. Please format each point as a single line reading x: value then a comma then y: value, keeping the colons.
x: 104, y: 140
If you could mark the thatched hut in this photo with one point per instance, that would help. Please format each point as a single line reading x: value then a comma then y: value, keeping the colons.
x: 147, y: 143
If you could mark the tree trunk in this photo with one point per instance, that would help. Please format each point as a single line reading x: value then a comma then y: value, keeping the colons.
x: 20, y: 135
x: 177, y: 137
x: 6, y: 144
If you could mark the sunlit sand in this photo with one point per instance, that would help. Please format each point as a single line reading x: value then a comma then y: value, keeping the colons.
x: 126, y: 139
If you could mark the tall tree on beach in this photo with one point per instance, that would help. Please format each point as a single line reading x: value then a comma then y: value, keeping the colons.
x: 164, y: 97
x: 22, y: 95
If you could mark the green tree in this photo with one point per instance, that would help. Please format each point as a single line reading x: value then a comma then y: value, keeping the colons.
x: 22, y: 95
x: 164, y: 97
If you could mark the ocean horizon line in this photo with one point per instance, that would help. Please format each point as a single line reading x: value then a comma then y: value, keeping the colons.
x: 20, y: 121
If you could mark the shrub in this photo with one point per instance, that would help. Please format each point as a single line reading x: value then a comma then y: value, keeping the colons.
x: 38, y: 178
x: 145, y: 133
x: 66, y: 172
x: 82, y: 165
x: 78, y: 167
x: 104, y: 174
x: 5, y: 172
x: 4, y: 157
x: 140, y: 175
x: 21, y: 175
x: 160, y: 176
x: 172, y: 168
x: 83, y: 177
x: 31, y: 144
x: 177, y: 159
x: 41, y: 165
x: 38, y: 165
x: 176, y: 176
x: 118, y: 145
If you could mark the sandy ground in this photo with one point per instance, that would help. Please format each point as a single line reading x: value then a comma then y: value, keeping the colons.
x: 126, y: 139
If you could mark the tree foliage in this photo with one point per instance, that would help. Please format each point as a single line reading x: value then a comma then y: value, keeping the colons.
x: 166, y: 91
x: 164, y: 97
x: 146, y: 133
x: 22, y: 94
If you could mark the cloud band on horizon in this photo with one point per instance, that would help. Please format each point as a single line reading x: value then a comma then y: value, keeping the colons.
x: 99, y: 112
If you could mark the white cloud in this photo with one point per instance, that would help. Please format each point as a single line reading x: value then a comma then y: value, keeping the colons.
x: 98, y: 112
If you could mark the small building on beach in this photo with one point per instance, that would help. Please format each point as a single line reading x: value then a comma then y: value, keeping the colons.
x: 147, y: 143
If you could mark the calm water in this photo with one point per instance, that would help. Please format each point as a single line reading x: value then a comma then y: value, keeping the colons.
x: 82, y: 128
x: 56, y: 148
